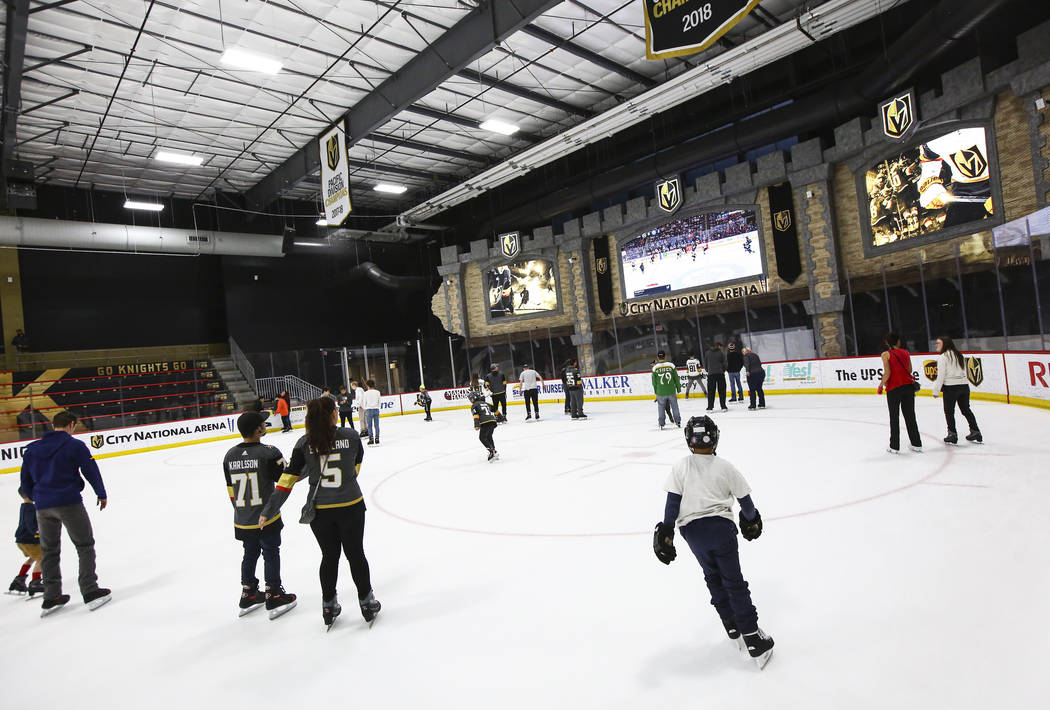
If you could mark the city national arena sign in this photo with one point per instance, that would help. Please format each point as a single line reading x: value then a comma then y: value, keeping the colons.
x: 693, y: 299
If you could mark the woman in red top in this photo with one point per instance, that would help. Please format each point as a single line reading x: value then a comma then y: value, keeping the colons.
x: 899, y: 384
x: 283, y: 409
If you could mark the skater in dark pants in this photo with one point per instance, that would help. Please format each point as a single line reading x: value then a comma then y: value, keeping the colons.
x: 565, y: 387
x: 756, y: 375
x: 423, y: 399
x: 694, y: 373
x: 715, y: 364
x: 953, y: 382
x: 574, y: 389
x: 530, y: 383
x: 252, y: 469
x: 283, y: 409
x: 700, y: 493
x: 346, y: 407
x: 900, y: 389
x: 330, y: 458
x: 51, y: 477
x: 734, y: 363
x: 497, y: 384
x: 484, y: 423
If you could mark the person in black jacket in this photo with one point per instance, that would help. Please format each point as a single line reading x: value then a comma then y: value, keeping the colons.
x: 484, y: 423
x: 756, y: 375
x: 734, y: 363
x: 345, y: 402
x: 715, y: 364
x: 574, y: 389
x: 423, y: 399
x: 497, y: 385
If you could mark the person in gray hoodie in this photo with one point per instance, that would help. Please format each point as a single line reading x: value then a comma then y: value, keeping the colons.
x: 715, y: 364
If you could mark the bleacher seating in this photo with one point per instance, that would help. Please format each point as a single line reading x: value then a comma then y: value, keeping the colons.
x: 122, y: 396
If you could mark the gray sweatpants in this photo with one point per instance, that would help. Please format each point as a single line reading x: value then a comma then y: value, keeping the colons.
x: 661, y: 401
x: 77, y: 524
x: 575, y: 402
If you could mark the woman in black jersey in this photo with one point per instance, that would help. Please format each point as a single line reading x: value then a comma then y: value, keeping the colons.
x: 330, y: 457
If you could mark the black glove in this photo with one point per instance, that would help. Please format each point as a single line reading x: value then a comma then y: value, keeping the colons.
x: 751, y: 529
x: 663, y: 543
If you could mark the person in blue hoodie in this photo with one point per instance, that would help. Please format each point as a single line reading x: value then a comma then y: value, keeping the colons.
x: 53, y: 473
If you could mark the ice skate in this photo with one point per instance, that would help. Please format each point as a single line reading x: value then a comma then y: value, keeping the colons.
x: 760, y: 647
x: 97, y: 598
x: 370, y: 607
x: 35, y: 587
x: 916, y: 449
x: 952, y: 439
x: 891, y: 450
x: 734, y: 634
x: 50, y: 606
x: 329, y: 611
x: 528, y: 416
x: 371, y: 441
x: 279, y: 602
x: 18, y: 585
x: 251, y: 599
x: 975, y: 437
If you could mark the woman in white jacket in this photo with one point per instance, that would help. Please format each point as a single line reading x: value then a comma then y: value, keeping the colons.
x: 951, y: 378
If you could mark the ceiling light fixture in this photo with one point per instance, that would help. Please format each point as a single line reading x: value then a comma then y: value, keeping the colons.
x: 390, y: 188
x: 322, y: 221
x: 148, y: 206
x: 238, y: 58
x: 497, y: 126
x: 166, y: 156
x: 310, y: 244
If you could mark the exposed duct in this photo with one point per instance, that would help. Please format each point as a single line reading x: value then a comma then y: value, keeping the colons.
x: 63, y: 234
x: 389, y: 281
x: 936, y: 32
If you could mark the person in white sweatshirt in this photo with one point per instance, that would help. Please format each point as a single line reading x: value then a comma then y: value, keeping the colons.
x: 371, y: 407
x: 951, y: 379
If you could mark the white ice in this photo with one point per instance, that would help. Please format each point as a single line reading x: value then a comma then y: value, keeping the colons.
x: 916, y: 581
x: 725, y: 260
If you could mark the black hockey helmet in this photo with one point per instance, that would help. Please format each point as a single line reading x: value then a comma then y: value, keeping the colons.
x: 493, y: 367
x: 701, y: 433
x: 474, y: 396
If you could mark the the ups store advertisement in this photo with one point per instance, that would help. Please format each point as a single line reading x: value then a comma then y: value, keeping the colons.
x: 674, y: 28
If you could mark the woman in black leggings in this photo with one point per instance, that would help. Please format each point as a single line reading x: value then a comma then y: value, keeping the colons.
x: 330, y: 456
x: 954, y: 384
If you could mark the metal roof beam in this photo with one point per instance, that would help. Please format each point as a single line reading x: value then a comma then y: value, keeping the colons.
x: 468, y: 39
x: 587, y: 55
x: 514, y: 90
x: 428, y: 148
x: 14, y: 62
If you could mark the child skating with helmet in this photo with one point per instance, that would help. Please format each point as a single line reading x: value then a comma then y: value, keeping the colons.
x: 484, y: 422
x: 700, y: 493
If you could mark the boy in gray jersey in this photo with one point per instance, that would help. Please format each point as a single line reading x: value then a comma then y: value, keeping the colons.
x: 252, y: 469
x: 700, y: 493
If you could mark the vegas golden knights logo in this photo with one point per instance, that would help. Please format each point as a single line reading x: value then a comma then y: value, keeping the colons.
x: 898, y: 116
x: 929, y: 368
x: 971, y: 162
x: 974, y: 371
x: 782, y: 220
x: 97, y: 440
x: 333, y: 151
x: 669, y: 194
x: 623, y: 309
x: 602, y: 265
x: 509, y: 244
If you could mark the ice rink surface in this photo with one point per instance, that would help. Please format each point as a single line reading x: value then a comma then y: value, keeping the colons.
x: 916, y: 581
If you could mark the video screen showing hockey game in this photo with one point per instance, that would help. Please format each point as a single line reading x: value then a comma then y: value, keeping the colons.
x: 944, y: 182
x: 522, y: 288
x: 694, y: 252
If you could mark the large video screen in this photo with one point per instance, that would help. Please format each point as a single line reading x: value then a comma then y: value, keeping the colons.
x: 694, y: 252
x: 943, y: 183
x: 521, y: 288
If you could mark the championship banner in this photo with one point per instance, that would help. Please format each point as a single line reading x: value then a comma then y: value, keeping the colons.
x: 785, y: 232
x: 603, y: 274
x: 674, y: 28
x: 335, y: 176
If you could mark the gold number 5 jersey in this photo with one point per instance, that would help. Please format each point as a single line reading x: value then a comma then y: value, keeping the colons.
x: 333, y: 476
x: 251, y: 471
